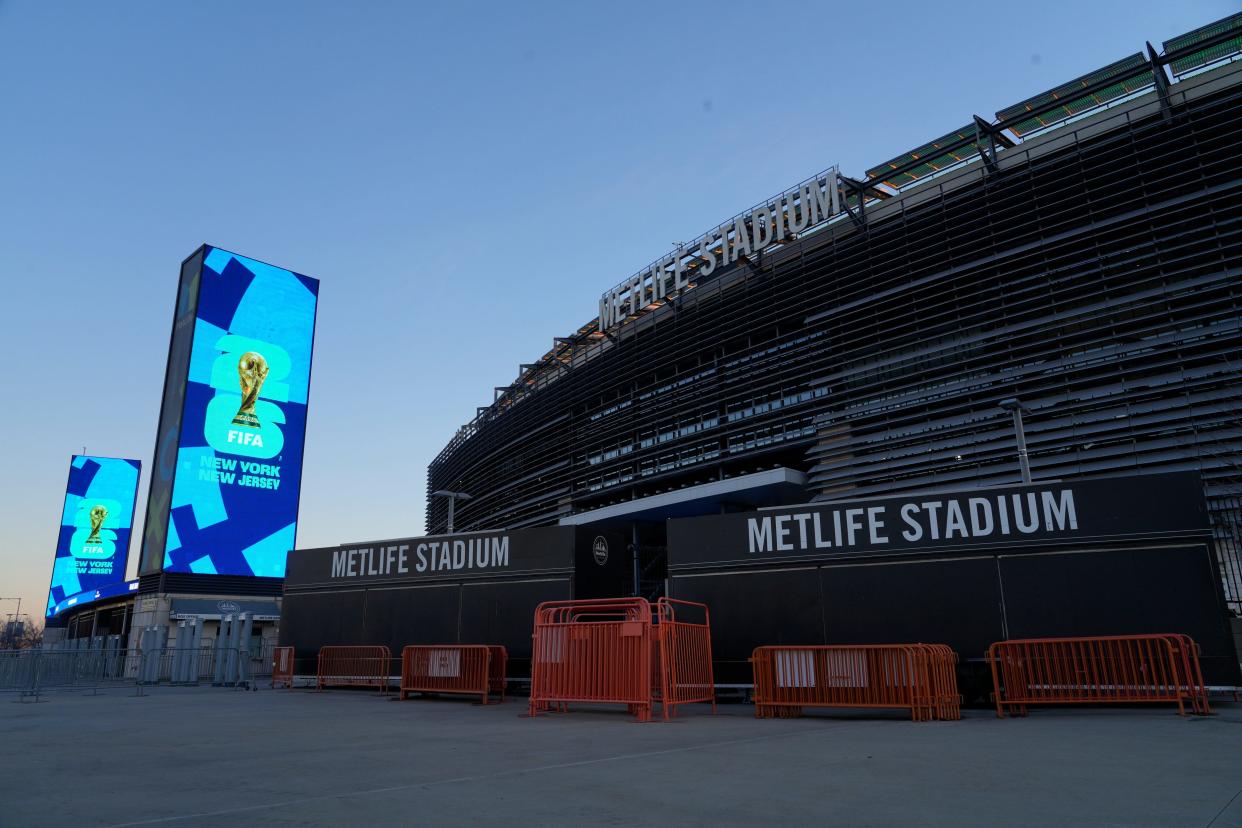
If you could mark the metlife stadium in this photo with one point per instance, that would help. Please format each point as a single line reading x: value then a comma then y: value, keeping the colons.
x: 1081, y: 251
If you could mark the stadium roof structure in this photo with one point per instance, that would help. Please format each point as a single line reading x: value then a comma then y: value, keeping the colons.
x: 1136, y: 74
x: 1117, y: 80
x: 1205, y: 46
x: 956, y: 147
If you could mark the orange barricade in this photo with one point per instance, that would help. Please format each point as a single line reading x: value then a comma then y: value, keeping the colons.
x: 617, y: 651
x: 452, y: 668
x: 1161, y: 667
x: 683, y: 660
x: 496, y: 670
x: 592, y: 651
x: 353, y: 666
x: 919, y: 677
x: 282, y: 666
x: 943, y: 666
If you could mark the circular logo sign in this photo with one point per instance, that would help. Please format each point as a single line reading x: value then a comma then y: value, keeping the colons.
x: 599, y: 550
x: 228, y: 607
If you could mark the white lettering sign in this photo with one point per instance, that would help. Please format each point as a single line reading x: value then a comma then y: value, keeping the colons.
x: 779, y: 220
x: 947, y: 519
x: 448, y: 555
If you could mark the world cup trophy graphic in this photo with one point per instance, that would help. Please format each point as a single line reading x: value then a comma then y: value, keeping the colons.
x: 251, y: 371
x: 98, y: 515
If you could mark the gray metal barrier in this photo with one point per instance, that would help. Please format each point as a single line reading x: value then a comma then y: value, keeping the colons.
x: 96, y: 664
x: 29, y: 673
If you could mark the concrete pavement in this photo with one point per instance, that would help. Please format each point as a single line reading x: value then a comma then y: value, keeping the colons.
x: 202, y: 756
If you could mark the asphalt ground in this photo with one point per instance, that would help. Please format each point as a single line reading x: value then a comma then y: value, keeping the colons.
x: 203, y: 756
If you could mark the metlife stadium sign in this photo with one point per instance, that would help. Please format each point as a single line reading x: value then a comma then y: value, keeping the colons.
x: 777, y: 220
x: 470, y: 555
x: 1039, y: 514
x: 92, y: 547
x: 224, y: 491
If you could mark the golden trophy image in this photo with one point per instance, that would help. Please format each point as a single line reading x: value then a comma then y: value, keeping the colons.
x: 98, y: 515
x: 251, y: 371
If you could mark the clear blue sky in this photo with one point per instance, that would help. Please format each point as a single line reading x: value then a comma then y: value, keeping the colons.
x: 465, y: 179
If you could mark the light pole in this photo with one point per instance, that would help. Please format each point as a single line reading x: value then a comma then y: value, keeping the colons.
x: 453, y: 497
x: 1015, y: 407
x: 15, y: 616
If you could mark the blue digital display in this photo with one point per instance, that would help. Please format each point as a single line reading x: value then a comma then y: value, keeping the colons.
x: 93, y: 546
x: 234, y: 501
x: 88, y: 597
x: 155, y: 531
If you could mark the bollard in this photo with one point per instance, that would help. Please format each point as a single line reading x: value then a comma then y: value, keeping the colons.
x: 178, y: 659
x: 196, y: 652
x: 244, y: 642
x: 184, y: 643
x: 230, y: 678
x: 174, y: 667
x: 189, y: 666
x: 153, y: 660
x: 110, y: 647
x: 140, y: 676
x: 230, y: 652
x: 217, y: 676
x: 161, y: 644
x: 148, y: 653
x: 144, y: 664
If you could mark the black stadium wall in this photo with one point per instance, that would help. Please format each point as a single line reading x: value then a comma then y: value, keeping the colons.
x: 1093, y: 270
x: 1116, y: 556
x: 1098, y: 557
x: 474, y: 588
x: 471, y: 588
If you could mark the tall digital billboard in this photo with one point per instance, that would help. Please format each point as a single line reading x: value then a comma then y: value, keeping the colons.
x: 93, y: 546
x: 224, y: 493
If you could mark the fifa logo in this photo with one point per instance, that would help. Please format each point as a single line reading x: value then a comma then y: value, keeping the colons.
x: 98, y: 514
x: 251, y: 373
x: 94, y: 534
x: 245, y: 417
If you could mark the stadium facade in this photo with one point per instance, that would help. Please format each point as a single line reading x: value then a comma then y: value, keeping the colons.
x: 852, y: 338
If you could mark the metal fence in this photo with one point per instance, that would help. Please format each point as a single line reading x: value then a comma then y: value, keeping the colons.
x: 32, y: 672
x: 1226, y: 514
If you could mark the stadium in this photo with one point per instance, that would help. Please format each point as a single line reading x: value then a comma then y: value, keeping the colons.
x: 1077, y: 256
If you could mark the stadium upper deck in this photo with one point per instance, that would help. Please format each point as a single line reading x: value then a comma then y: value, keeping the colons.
x: 1082, y: 252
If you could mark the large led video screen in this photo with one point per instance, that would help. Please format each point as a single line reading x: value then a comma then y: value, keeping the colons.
x: 159, y: 497
x: 92, y: 548
x: 233, y: 502
x: 81, y: 599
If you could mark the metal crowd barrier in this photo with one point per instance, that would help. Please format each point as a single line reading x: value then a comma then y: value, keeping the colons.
x: 684, y: 663
x: 1161, y: 667
x: 919, y: 677
x: 282, y: 667
x: 73, y: 666
x: 592, y: 651
x: 353, y: 666
x: 470, y: 669
x: 34, y: 671
x: 618, y: 651
x: 498, y: 670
